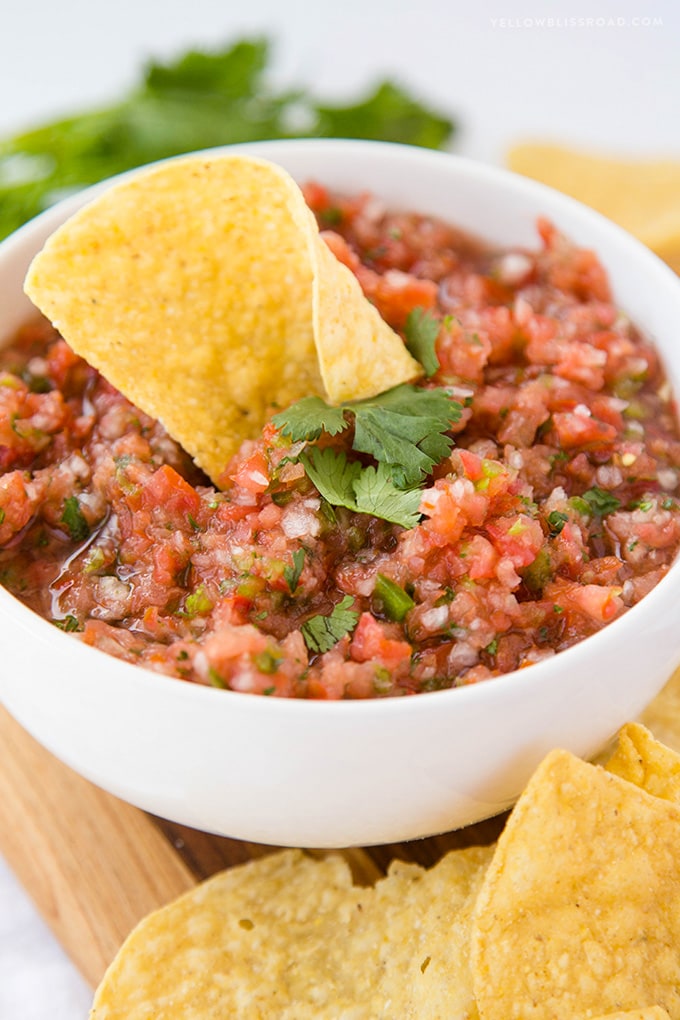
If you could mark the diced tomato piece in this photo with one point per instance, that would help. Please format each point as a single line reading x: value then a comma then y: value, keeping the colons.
x: 581, y: 430
x: 372, y: 641
x: 518, y: 538
x: 601, y: 602
x: 252, y: 474
x: 481, y: 556
x: 16, y: 507
x: 166, y: 488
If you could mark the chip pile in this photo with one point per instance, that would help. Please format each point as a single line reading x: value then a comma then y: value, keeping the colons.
x: 575, y: 913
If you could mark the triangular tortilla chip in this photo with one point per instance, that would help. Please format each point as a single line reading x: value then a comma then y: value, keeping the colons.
x: 579, y: 913
x: 643, y: 196
x: 201, y: 289
x: 647, y: 762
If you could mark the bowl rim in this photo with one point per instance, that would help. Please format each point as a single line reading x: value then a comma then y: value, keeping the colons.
x: 504, y: 685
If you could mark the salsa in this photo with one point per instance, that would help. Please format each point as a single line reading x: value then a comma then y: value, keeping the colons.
x: 554, y: 511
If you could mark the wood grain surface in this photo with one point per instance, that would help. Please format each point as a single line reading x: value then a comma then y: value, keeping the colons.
x: 95, y: 866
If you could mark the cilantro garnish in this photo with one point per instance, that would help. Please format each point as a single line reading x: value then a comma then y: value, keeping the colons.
x: 309, y: 417
x: 73, y: 518
x: 422, y: 329
x: 404, y: 430
x: 404, y: 427
x: 322, y: 632
x: 601, y: 502
x: 195, y: 102
x: 292, y: 574
x: 366, y: 490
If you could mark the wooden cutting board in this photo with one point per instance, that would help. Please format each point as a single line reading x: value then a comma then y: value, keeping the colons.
x: 95, y: 866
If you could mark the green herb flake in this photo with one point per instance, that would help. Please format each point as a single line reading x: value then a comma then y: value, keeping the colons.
x: 601, y: 502
x: 292, y: 574
x: 321, y: 633
x: 492, y: 647
x: 72, y: 517
x: 422, y: 330
x: 69, y: 624
x: 557, y: 520
x: 2, y: 515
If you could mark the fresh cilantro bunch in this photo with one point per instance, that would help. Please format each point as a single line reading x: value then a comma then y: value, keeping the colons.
x: 404, y: 431
x: 198, y: 101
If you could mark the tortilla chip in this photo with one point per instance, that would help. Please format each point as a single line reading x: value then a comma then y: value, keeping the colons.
x: 647, y: 763
x: 641, y: 196
x: 662, y: 715
x: 233, y: 946
x: 435, y: 955
x: 290, y: 937
x: 579, y: 913
x: 201, y: 289
x: 645, y: 1013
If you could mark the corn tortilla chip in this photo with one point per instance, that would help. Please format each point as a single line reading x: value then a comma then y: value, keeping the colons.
x: 201, y: 289
x: 640, y: 195
x: 231, y: 947
x: 662, y: 715
x: 579, y: 913
x: 647, y: 763
x: 645, y: 1013
x: 291, y: 938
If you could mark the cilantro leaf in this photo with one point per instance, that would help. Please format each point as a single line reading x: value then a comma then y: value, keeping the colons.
x: 389, y: 112
x: 73, y: 518
x: 333, y: 475
x: 601, y: 502
x: 322, y: 632
x: 308, y: 418
x: 404, y: 428
x: 292, y: 574
x: 365, y: 490
x: 195, y: 102
x: 422, y: 330
x: 377, y: 494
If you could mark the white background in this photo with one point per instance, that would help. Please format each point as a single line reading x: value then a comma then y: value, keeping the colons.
x: 600, y: 75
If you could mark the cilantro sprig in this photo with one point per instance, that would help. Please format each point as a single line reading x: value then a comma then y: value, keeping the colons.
x: 199, y: 100
x: 405, y: 431
x: 422, y: 330
x: 291, y: 575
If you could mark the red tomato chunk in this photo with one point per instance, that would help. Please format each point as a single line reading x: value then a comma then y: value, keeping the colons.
x: 556, y: 510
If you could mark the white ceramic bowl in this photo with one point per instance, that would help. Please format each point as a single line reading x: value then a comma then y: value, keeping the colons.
x: 330, y: 774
